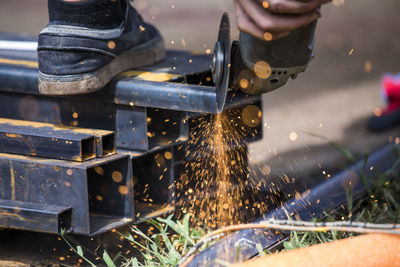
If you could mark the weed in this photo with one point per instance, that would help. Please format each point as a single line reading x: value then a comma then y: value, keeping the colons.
x: 167, y: 245
x: 380, y: 205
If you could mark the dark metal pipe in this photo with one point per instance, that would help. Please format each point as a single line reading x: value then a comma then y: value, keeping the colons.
x: 166, y: 95
x: 46, y: 140
x: 92, y: 189
x: 325, y: 197
x: 35, y: 216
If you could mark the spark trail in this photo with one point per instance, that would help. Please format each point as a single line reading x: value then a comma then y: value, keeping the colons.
x: 216, y: 184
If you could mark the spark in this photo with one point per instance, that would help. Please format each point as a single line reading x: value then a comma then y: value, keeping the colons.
x: 217, y: 183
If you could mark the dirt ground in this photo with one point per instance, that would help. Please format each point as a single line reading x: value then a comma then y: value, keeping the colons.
x: 333, y: 99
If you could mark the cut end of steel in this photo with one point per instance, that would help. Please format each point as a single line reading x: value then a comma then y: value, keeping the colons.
x: 108, y: 144
x: 88, y: 149
x: 65, y: 221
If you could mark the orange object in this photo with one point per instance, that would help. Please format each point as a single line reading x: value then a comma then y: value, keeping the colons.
x: 376, y: 250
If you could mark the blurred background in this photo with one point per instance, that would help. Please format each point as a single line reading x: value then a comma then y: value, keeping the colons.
x: 357, y: 41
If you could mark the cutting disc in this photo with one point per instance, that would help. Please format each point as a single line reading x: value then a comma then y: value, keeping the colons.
x: 221, y: 62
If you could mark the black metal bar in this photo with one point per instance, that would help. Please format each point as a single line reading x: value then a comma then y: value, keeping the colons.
x: 322, y: 198
x: 45, y: 140
x: 34, y: 216
x: 100, y: 191
x: 166, y: 95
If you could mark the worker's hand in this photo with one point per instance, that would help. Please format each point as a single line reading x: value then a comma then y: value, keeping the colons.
x: 273, y: 19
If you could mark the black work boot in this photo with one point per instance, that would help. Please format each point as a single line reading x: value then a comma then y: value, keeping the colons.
x: 87, y: 43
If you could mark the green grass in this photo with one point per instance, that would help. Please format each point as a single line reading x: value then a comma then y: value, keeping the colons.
x: 380, y: 205
x: 165, y: 245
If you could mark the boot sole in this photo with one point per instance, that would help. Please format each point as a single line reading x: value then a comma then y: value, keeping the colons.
x: 143, y: 55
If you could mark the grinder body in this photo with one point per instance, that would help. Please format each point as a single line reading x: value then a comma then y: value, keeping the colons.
x: 263, y: 66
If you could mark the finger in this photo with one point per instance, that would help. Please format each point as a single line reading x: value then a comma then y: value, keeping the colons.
x: 269, y: 22
x: 290, y: 6
x: 245, y: 24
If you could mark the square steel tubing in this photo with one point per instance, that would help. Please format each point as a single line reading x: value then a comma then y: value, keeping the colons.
x: 100, y: 191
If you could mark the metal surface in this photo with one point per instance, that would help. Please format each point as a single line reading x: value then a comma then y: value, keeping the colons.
x: 154, y: 177
x: 222, y: 60
x: 325, y: 197
x: 45, y: 140
x: 164, y: 95
x: 35, y: 217
x: 100, y: 191
x: 27, y: 42
x: 16, y: 45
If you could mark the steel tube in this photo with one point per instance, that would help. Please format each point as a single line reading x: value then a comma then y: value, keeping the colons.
x: 99, y: 191
x: 35, y: 216
x: 166, y: 95
x: 45, y: 140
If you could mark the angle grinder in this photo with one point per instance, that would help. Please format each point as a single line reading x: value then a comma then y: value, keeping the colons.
x: 257, y: 66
